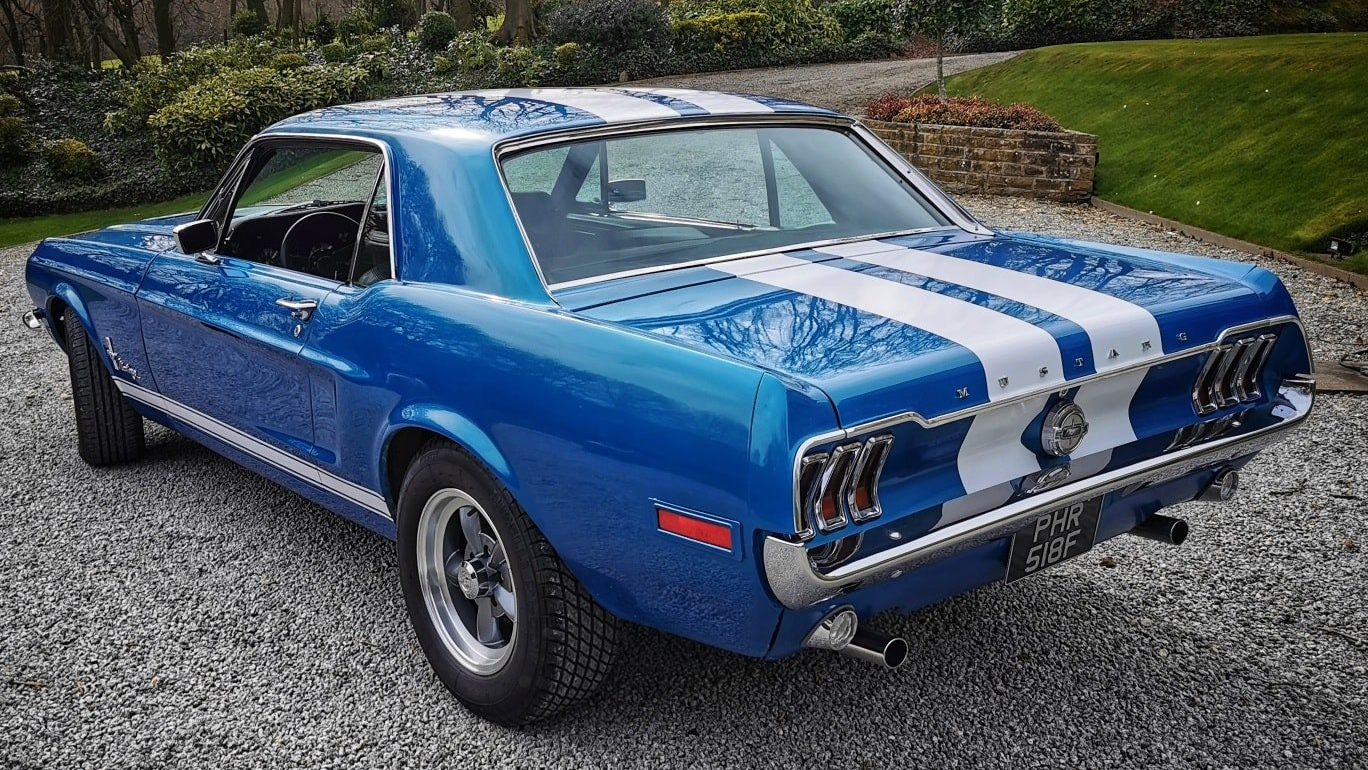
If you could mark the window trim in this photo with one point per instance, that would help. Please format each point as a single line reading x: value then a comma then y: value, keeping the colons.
x: 236, y: 169
x: 959, y: 218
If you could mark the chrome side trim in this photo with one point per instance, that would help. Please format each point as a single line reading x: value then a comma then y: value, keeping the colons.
x: 885, y: 423
x: 797, y: 584
x: 250, y: 445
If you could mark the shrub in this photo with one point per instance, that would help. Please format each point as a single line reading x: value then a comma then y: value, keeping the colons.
x: 355, y: 24
x: 210, y: 121
x: 567, y: 54
x: 612, y: 25
x: 726, y: 34
x: 391, y: 13
x: 321, y: 29
x: 334, y: 52
x: 9, y: 104
x: 71, y: 158
x: 872, y: 45
x: 16, y: 140
x: 375, y: 43
x: 247, y: 24
x: 522, y: 66
x: 152, y: 85
x: 472, y: 51
x: 795, y: 25
x: 859, y: 17
x: 288, y: 61
x: 960, y: 111
x: 1218, y: 18
x: 436, y: 29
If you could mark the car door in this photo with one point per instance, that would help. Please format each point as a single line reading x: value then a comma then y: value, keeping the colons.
x: 223, y: 330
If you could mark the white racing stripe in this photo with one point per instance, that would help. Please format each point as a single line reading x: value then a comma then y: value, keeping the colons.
x: 1111, y: 323
x: 1013, y: 353
x: 710, y: 101
x: 612, y: 106
x: 258, y: 449
x: 992, y: 451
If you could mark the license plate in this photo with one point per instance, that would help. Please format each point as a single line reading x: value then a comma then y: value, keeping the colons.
x: 1052, y: 538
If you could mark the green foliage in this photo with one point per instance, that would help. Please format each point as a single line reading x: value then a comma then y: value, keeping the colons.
x: 9, y: 105
x: 472, y: 51
x: 375, y: 43
x: 436, y: 30
x: 610, y: 25
x: 356, y: 23
x: 726, y: 34
x: 567, y: 54
x: 247, y: 24
x: 289, y: 60
x: 152, y: 85
x: 71, y: 158
x: 210, y: 121
x: 795, y: 25
x: 522, y: 66
x: 334, y: 52
x: 16, y: 140
x: 1218, y: 18
x: 859, y: 17
x: 391, y: 13
x: 938, y: 19
x: 321, y: 29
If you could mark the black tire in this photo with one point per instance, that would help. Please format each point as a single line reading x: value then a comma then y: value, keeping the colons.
x: 108, y: 431
x: 564, y: 644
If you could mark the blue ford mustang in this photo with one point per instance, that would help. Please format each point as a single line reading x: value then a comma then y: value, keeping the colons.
x: 725, y: 366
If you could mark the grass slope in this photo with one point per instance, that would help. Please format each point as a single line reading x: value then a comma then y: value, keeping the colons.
x: 1264, y: 139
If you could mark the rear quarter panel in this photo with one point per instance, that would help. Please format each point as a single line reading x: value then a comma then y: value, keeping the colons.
x: 584, y: 422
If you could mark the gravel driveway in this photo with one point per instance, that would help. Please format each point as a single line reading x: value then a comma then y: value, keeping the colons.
x: 845, y: 87
x: 183, y: 612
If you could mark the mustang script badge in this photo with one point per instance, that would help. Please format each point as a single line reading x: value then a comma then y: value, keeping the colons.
x: 1064, y: 428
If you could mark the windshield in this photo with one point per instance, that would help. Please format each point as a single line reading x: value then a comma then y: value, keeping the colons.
x: 607, y: 206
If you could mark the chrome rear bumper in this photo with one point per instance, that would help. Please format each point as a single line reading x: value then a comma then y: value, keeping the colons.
x: 797, y: 584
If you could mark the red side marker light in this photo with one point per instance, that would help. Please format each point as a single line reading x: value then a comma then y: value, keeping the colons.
x: 694, y: 528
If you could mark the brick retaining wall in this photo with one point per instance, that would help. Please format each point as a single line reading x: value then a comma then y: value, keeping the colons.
x: 1056, y: 165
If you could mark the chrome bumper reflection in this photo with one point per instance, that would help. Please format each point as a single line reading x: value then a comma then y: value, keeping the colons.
x: 797, y: 584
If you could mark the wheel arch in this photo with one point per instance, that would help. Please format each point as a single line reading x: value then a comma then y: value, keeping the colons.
x: 64, y: 299
x: 414, y: 425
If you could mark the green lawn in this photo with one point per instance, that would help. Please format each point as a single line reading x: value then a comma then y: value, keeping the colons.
x: 1264, y: 139
x: 27, y: 229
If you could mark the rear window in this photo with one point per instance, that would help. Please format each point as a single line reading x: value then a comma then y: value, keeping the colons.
x: 633, y: 202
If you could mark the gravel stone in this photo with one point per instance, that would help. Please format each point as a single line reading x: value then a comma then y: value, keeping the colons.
x: 184, y: 612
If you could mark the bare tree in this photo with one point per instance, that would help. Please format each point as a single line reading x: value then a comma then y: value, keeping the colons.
x: 166, y: 33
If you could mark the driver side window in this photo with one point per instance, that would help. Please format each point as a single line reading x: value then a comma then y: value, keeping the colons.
x: 300, y: 207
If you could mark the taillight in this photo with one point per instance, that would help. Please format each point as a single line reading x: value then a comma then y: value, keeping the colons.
x: 1232, y: 373
x: 835, y: 488
x: 863, y: 498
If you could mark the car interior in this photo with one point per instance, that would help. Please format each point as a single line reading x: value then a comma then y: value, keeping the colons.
x: 302, y: 209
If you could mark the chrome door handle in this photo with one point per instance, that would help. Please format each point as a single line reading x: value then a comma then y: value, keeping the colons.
x: 299, y: 308
x: 208, y: 258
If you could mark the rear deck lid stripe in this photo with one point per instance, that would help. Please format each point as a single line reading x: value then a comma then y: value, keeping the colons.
x: 1110, y: 322
x: 1017, y: 357
x: 710, y: 101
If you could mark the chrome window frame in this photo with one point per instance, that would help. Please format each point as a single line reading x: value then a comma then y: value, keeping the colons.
x: 268, y: 136
x: 901, y: 168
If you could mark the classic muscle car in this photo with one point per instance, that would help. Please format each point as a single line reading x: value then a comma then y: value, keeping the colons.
x: 724, y: 366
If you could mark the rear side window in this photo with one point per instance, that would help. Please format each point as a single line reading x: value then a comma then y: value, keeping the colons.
x: 652, y: 200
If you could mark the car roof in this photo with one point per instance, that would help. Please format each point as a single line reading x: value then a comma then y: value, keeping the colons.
x: 494, y: 115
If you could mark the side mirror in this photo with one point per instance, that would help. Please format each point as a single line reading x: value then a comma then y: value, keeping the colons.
x: 626, y: 190
x: 197, y: 237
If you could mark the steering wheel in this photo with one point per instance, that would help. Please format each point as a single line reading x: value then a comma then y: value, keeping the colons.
x: 316, y: 238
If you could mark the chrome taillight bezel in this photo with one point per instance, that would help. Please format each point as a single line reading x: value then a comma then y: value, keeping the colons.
x: 1231, y: 374
x: 835, y: 477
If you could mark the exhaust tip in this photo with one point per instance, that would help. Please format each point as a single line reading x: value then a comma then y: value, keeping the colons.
x: 1165, y: 529
x: 895, y: 652
x: 1222, y: 487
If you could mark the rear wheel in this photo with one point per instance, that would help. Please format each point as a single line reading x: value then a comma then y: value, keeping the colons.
x: 504, y: 624
x: 108, y: 431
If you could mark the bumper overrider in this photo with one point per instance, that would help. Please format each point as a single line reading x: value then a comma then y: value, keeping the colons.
x: 797, y: 584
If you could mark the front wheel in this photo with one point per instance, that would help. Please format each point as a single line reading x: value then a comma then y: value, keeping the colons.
x: 504, y: 624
